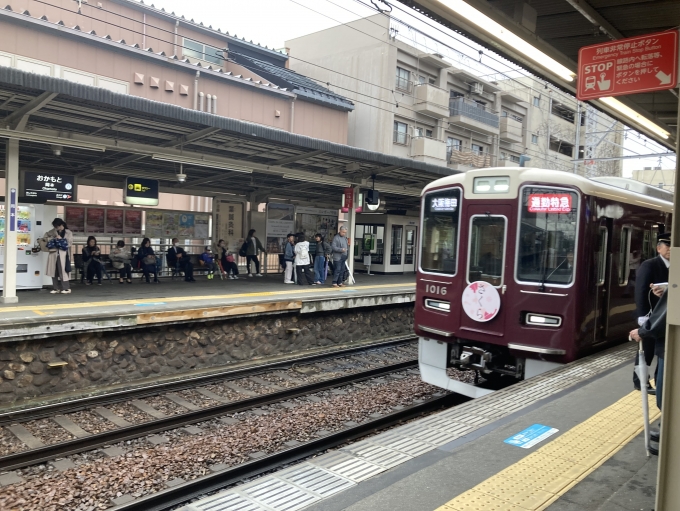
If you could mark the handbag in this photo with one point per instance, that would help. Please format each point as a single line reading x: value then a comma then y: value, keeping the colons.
x: 67, y: 264
x: 150, y: 259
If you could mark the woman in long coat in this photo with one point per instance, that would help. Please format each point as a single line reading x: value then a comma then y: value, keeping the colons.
x: 58, y: 264
x: 147, y: 259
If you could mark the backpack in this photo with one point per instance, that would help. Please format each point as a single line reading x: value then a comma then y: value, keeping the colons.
x: 244, y: 249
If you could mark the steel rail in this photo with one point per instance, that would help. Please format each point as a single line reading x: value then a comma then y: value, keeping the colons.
x: 48, y: 452
x: 74, y: 405
x: 180, y: 494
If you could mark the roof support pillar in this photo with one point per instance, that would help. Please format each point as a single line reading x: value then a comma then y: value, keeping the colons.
x: 9, y: 274
x: 667, y: 489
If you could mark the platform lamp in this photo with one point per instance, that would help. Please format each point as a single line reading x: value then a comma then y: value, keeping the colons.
x: 373, y: 197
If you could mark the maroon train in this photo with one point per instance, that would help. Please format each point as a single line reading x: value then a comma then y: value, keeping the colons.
x: 523, y: 269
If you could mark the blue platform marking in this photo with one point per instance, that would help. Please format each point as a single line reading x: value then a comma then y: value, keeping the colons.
x: 531, y: 436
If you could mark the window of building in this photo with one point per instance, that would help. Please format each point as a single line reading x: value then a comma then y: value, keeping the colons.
x: 428, y: 133
x: 452, y: 144
x: 514, y: 158
x: 400, y: 132
x: 196, y: 50
x: 477, y: 149
x: 403, y: 76
x: 396, y: 245
x: 534, y: 139
x: 422, y: 79
x: 537, y: 101
x: 417, y: 132
x: 379, y: 232
x: 455, y: 94
x: 431, y: 81
x: 563, y: 112
x: 562, y: 147
x: 480, y: 104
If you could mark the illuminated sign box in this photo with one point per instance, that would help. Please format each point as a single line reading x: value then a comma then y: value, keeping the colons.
x: 48, y: 186
x: 444, y: 204
x: 141, y: 192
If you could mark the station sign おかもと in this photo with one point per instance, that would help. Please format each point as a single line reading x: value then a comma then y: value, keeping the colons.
x: 141, y: 192
x: 549, y: 203
x: 628, y: 66
x: 49, y: 186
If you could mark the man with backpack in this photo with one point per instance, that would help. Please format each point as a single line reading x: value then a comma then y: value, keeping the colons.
x: 288, y: 258
x: 321, y: 249
x: 302, y: 261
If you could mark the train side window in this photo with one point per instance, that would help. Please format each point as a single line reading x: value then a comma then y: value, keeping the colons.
x: 625, y: 255
x: 487, y: 249
x: 601, y: 256
x: 439, y: 241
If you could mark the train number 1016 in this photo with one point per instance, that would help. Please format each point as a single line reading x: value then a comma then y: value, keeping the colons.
x: 437, y: 290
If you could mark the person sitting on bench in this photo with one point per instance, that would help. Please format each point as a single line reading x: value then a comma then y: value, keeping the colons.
x: 179, y: 260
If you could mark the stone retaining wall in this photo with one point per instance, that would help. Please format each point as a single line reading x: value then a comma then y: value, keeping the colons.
x: 107, y: 358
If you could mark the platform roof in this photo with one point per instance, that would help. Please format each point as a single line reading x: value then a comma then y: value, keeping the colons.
x: 564, y: 26
x: 140, y: 138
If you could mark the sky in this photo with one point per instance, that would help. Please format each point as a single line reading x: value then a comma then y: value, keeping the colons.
x: 272, y: 22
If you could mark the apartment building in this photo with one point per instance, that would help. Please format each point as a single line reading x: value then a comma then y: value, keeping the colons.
x: 412, y: 101
x: 656, y: 176
x: 128, y: 47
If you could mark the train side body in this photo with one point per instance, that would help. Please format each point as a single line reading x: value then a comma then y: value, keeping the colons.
x: 532, y: 276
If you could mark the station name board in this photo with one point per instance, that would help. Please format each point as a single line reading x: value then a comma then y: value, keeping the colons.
x: 49, y: 186
x: 549, y: 203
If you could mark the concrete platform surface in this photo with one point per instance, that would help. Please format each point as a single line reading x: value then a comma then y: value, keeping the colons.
x: 114, y: 305
x: 459, y: 459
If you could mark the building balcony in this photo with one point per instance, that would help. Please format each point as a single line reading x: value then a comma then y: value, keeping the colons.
x: 431, y: 100
x: 468, y: 159
x: 467, y: 114
x: 510, y: 130
x: 428, y: 150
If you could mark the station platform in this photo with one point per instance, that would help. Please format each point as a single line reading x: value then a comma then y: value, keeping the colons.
x: 588, y: 456
x: 112, y: 305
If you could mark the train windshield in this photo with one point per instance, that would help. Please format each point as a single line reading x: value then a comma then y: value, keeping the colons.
x: 547, y: 236
x: 439, y: 249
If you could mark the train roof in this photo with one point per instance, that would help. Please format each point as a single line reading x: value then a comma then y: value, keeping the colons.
x: 621, y: 189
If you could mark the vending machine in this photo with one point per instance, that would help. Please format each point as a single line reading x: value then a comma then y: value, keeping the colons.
x: 33, y: 221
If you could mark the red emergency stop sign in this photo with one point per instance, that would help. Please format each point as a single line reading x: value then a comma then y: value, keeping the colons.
x: 628, y: 66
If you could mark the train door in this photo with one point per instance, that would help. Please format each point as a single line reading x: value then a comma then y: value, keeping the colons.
x: 487, y: 240
x: 410, y: 244
x: 603, y: 262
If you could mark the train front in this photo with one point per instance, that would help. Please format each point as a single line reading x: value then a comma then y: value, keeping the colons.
x: 495, y: 277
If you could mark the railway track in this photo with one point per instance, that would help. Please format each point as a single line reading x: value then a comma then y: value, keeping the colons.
x: 181, y: 494
x: 244, y: 390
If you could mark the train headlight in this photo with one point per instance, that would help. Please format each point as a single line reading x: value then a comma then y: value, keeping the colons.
x: 491, y: 184
x: 543, y: 320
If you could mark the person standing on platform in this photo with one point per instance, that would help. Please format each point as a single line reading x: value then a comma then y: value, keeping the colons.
x: 147, y: 259
x: 179, y: 260
x: 654, y: 330
x: 320, y: 250
x: 58, y: 241
x: 289, y: 258
x: 254, y: 247
x: 303, y: 261
x: 120, y: 260
x: 652, y: 271
x: 92, y: 263
x: 340, y: 249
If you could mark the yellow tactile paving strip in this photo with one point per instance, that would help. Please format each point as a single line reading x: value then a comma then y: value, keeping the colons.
x: 189, y: 299
x: 542, y: 477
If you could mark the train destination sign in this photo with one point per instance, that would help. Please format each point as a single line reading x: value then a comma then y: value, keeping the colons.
x: 628, y: 66
x: 49, y: 186
x: 444, y: 204
x: 549, y: 203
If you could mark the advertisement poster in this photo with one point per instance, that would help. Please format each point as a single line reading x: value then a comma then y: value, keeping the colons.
x: 316, y: 220
x: 186, y: 226
x: 94, y: 220
x: 75, y: 219
x: 170, y: 224
x: 280, y: 222
x: 202, y: 226
x: 154, y: 224
x: 114, y: 221
x: 133, y: 221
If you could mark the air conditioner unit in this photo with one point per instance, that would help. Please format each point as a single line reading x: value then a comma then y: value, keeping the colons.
x: 476, y: 88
